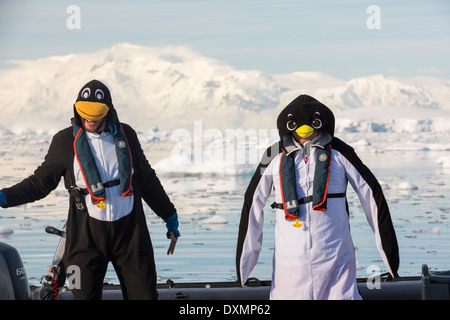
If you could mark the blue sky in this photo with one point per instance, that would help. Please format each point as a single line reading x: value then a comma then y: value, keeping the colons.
x: 276, y: 36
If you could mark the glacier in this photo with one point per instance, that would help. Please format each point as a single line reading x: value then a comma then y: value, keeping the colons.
x: 171, y: 87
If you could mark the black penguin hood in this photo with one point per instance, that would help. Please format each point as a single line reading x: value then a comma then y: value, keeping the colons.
x: 94, y: 102
x: 305, y: 111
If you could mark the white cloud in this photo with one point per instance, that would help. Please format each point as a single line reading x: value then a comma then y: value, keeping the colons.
x: 431, y: 70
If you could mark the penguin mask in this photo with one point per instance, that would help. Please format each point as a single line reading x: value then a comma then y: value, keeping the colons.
x: 94, y: 101
x: 304, y: 115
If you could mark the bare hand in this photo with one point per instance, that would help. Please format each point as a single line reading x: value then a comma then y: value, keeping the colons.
x: 173, y: 243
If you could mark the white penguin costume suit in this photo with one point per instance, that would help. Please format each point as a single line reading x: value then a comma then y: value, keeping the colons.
x: 314, y: 255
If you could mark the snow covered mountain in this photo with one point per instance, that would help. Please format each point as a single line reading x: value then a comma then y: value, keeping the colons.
x: 171, y: 87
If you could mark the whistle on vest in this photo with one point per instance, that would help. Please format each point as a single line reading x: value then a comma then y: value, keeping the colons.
x: 297, y: 224
x: 101, y: 205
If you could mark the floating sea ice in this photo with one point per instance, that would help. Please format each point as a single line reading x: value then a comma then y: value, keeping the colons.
x: 5, y: 151
x: 200, y: 215
x: 5, y: 230
x: 431, y: 195
x: 441, y: 208
x: 213, y: 159
x: 407, y: 186
x: 439, y: 146
x: 444, y: 161
x: 393, y: 199
x: 214, y: 223
x: 436, y: 221
x: 210, y: 212
x: 436, y: 231
x: 407, y: 146
x: 362, y: 143
x: 214, y: 220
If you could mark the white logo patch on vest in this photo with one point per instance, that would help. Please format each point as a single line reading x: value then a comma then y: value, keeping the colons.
x: 121, y: 144
x: 97, y: 187
x: 323, y: 157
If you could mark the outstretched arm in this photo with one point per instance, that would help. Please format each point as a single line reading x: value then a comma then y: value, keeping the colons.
x: 45, y: 178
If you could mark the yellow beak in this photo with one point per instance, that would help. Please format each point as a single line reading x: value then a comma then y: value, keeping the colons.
x: 91, y: 110
x: 305, y: 131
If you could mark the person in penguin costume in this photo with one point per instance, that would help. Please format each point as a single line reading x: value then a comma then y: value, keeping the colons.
x: 107, y: 176
x: 309, y: 170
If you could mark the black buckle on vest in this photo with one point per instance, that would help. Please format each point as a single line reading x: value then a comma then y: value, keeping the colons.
x: 108, y: 184
x: 307, y: 199
x: 112, y: 183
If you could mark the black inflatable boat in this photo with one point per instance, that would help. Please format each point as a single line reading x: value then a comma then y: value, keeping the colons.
x: 431, y: 285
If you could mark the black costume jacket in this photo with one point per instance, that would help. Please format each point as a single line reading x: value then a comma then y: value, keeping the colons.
x: 91, y: 243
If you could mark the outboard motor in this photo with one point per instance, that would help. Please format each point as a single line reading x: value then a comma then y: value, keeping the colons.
x: 13, y: 278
